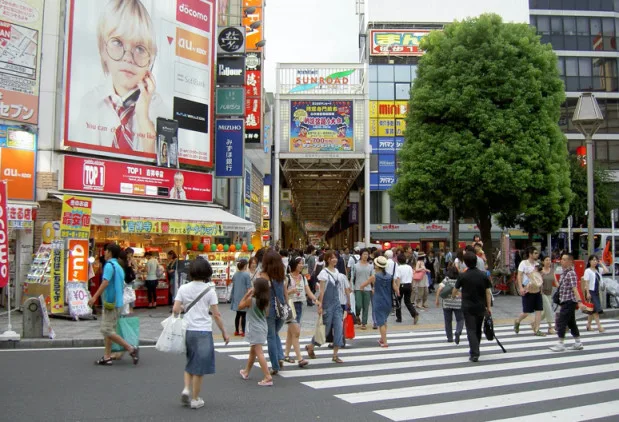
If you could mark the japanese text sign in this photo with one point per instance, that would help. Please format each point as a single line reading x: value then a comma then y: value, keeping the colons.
x: 229, y: 160
x: 57, y: 277
x: 20, y: 216
x: 77, y: 298
x: 78, y: 261
x: 151, y: 226
x: 4, y: 238
x: 398, y: 42
x: 321, y: 126
x: 75, y: 219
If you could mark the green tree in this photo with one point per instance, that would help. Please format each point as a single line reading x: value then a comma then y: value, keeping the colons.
x: 602, y: 192
x: 482, y: 133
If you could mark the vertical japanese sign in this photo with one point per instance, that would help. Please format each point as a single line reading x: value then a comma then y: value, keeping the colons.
x: 229, y: 160
x: 75, y: 222
x: 247, y: 194
x: 57, y: 277
x: 253, y: 97
x: 21, y: 23
x: 253, y: 35
x: 77, y: 268
x: 4, y: 238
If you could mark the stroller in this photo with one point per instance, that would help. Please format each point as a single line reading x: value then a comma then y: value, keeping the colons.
x: 612, y: 290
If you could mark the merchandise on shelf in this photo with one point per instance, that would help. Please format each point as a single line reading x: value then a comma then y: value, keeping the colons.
x: 40, y: 269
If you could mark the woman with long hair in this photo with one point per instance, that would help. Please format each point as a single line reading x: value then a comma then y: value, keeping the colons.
x: 424, y: 286
x: 299, y: 291
x: 549, y: 281
x: 361, y: 271
x: 253, y: 269
x: 591, y: 287
x: 383, y: 284
x: 273, y: 272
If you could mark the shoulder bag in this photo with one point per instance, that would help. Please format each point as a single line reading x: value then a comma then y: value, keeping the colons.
x: 535, y: 282
x: 556, y: 297
x: 282, y: 310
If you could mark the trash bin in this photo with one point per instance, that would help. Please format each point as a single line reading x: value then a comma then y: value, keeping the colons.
x: 32, y: 319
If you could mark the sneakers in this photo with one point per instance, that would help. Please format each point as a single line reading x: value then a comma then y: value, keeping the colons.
x: 576, y: 346
x: 559, y: 347
x: 457, y: 338
x: 185, y: 399
x: 416, y: 319
x: 198, y: 403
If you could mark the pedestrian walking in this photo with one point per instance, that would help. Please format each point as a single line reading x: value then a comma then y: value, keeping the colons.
x: 404, y: 282
x: 549, y: 281
x: 199, y: 332
x: 256, y: 304
x: 152, y: 265
x: 452, y: 305
x: 423, y: 283
x: 241, y: 283
x: 591, y: 288
x: 329, y: 306
x: 171, y: 271
x: 569, y: 301
x: 253, y: 269
x: 111, y: 291
x: 273, y: 271
x: 530, y: 290
x: 361, y: 271
x: 298, y: 292
x: 383, y: 284
x: 476, y: 301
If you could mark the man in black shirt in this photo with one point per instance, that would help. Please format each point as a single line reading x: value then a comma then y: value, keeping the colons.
x: 476, y: 301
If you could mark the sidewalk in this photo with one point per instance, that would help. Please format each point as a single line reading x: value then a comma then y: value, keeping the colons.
x: 86, y: 333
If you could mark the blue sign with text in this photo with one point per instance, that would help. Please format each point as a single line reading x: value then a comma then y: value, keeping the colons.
x: 229, y: 145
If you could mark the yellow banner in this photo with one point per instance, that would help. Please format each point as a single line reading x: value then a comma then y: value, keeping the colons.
x: 386, y: 127
x: 150, y: 226
x: 388, y: 109
x: 75, y: 221
x: 266, y: 225
x: 56, y: 282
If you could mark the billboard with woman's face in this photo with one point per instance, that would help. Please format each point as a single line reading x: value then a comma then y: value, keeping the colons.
x: 130, y: 62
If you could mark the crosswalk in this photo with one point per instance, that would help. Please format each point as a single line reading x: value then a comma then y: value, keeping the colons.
x: 422, y: 377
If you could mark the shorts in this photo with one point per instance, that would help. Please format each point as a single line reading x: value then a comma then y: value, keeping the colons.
x: 298, y: 307
x: 109, y: 320
x: 532, y: 302
x: 200, y: 352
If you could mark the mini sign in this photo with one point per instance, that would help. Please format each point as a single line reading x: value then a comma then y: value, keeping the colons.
x: 231, y: 40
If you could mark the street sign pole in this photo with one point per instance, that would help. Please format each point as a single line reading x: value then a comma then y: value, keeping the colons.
x: 613, y: 216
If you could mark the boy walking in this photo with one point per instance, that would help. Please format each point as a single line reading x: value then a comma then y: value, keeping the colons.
x: 570, y: 301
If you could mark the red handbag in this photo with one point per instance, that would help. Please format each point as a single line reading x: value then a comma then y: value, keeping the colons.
x: 349, y: 326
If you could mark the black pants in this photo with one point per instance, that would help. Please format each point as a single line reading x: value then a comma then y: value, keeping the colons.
x: 473, y: 324
x: 240, y: 317
x: 151, y: 289
x: 405, y: 293
x: 567, y: 318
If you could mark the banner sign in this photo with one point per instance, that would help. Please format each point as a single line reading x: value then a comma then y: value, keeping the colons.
x: 77, y: 298
x: 229, y: 151
x: 230, y: 70
x: 253, y: 35
x: 151, y: 226
x: 117, y: 178
x: 253, y: 95
x: 77, y: 269
x: 20, y: 216
x: 172, y: 46
x: 321, y: 126
x: 231, y: 40
x: 397, y: 42
x: 353, y: 213
x: 4, y: 238
x: 17, y: 158
x: 167, y: 143
x: 230, y: 102
x: 57, y: 277
x: 247, y: 195
x: 75, y: 221
x: 21, y: 27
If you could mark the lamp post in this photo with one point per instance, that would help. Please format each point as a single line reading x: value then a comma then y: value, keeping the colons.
x: 588, y: 119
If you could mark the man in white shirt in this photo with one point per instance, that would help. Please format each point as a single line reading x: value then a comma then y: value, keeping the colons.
x: 390, y: 268
x: 404, y: 282
x: 354, y: 258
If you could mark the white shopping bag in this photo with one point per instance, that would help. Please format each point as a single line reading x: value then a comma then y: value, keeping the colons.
x: 172, y: 338
x: 353, y: 306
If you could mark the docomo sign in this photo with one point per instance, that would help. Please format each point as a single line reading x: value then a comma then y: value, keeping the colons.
x: 78, y: 261
x: 195, y: 13
x: 4, y: 238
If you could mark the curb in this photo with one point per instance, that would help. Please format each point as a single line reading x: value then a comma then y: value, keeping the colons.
x: 44, y: 343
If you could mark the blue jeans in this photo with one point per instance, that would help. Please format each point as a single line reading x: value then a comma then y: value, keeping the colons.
x: 274, y: 343
x: 448, y: 314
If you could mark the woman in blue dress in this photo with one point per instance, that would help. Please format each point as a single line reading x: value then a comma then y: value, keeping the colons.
x: 383, y: 285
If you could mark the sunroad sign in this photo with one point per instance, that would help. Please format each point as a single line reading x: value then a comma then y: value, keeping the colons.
x: 230, y: 70
x: 231, y: 40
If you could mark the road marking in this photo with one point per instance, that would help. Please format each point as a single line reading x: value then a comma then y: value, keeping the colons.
x: 573, y: 414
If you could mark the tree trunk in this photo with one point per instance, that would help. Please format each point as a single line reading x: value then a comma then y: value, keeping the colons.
x: 456, y: 232
x: 484, y: 222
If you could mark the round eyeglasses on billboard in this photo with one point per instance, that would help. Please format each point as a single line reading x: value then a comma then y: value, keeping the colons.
x: 116, y: 50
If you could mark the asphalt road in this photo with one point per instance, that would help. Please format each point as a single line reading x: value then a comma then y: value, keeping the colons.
x: 420, y: 376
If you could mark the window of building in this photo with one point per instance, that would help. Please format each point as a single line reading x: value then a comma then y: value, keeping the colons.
x: 385, y: 73
x: 385, y: 91
x: 373, y: 91
x: 413, y: 72
x: 402, y: 73
x: 556, y: 25
x: 584, y: 66
x: 571, y: 66
x: 569, y: 25
x: 402, y: 91
x: 561, y: 66
x: 582, y: 26
x: 596, y: 26
x: 555, y: 4
x: 543, y: 25
x: 375, y: 207
x: 373, y: 73
x: 373, y: 162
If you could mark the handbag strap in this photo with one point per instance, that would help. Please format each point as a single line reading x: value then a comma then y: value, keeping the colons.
x: 205, y: 291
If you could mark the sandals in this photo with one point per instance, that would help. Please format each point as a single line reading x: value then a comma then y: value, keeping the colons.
x: 516, y: 327
x: 289, y: 360
x: 540, y: 334
x: 243, y: 374
x: 266, y: 383
x: 589, y: 328
x: 337, y: 360
x: 135, y: 355
x: 310, y: 351
x: 601, y: 329
x: 303, y: 363
x: 380, y: 342
x: 105, y: 362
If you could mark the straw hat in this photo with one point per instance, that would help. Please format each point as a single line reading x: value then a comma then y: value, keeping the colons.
x: 380, y: 262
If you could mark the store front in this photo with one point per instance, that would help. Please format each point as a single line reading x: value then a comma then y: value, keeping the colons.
x: 20, y: 219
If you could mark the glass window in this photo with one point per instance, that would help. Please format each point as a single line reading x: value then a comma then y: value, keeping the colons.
x: 570, y: 5
x: 616, y: 5
x: 556, y: 25
x: 402, y: 91
x: 561, y: 66
x: 584, y: 66
x: 557, y: 42
x: 413, y: 72
x: 569, y: 25
x: 373, y: 162
x: 385, y: 73
x: 532, y: 20
x: 571, y: 84
x: 596, y: 26
x: 582, y: 26
x: 385, y: 91
x: 373, y: 73
x: 571, y: 66
x: 555, y: 4
x: 608, y: 26
x: 601, y: 150
x: 607, y: 5
x: 373, y: 91
x: 585, y: 83
x: 402, y: 73
x: 595, y: 4
x: 584, y: 43
x: 543, y: 24
x: 613, y: 152
x: 571, y: 42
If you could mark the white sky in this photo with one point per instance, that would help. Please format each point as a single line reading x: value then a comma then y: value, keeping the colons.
x: 311, y: 31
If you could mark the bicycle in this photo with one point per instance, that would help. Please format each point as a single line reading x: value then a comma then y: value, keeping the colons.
x: 500, y: 284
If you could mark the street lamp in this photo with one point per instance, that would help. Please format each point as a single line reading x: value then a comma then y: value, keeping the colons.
x: 588, y: 119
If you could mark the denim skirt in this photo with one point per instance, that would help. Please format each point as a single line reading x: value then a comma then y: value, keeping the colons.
x: 200, y: 352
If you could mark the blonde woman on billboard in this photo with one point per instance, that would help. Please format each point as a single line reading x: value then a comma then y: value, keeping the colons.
x: 121, y: 113
x: 178, y: 192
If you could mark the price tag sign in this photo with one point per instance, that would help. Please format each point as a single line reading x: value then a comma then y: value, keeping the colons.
x: 77, y: 297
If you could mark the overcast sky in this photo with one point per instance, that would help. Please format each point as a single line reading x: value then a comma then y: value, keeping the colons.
x: 312, y: 31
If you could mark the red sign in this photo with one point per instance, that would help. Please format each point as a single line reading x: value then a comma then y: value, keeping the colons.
x: 4, y: 238
x: 114, y: 177
x: 252, y: 113
x: 253, y: 83
x: 78, y: 261
x: 195, y: 13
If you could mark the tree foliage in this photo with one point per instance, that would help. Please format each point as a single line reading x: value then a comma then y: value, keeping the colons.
x: 482, y: 129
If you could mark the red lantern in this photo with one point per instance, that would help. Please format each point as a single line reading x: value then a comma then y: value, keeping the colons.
x: 387, y: 246
x: 220, y: 247
x: 232, y: 248
x: 244, y: 247
x: 581, y: 154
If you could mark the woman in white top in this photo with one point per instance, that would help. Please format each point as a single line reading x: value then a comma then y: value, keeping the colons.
x: 404, y: 282
x: 199, y: 333
x: 591, y: 286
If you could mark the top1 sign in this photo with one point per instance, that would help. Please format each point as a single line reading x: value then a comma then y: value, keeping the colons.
x: 399, y: 42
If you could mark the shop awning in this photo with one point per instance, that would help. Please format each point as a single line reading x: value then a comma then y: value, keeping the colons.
x: 107, y: 212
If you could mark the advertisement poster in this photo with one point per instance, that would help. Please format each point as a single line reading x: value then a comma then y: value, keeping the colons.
x: 150, y: 226
x: 321, y: 126
x: 20, y: 216
x: 17, y: 161
x: 247, y: 194
x: 253, y: 35
x: 57, y: 278
x: 167, y: 143
x: 77, y: 298
x: 4, y: 238
x: 106, y: 176
x: 21, y: 23
x: 253, y: 95
x: 75, y: 218
x: 130, y: 62
x: 396, y: 42
x: 77, y: 268
x: 229, y: 148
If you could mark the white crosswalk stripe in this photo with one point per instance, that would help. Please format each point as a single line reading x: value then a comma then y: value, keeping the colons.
x: 422, y: 377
